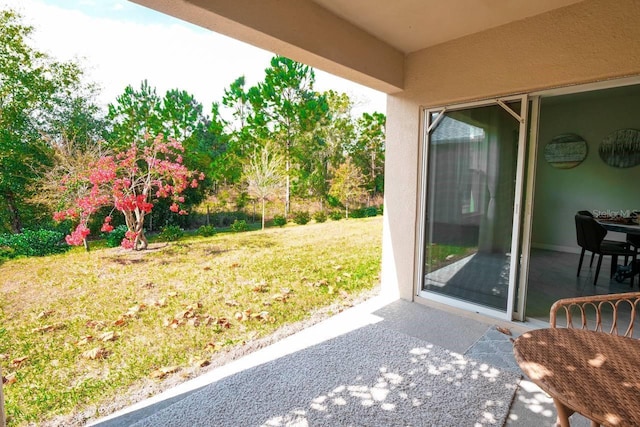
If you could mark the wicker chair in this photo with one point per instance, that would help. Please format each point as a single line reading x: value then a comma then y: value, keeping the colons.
x: 603, y: 313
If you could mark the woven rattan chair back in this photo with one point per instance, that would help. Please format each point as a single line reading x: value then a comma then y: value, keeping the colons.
x: 614, y: 313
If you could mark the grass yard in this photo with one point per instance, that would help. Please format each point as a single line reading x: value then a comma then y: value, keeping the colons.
x: 79, y: 329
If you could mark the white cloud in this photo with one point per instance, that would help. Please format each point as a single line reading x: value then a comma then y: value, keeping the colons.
x: 120, y: 52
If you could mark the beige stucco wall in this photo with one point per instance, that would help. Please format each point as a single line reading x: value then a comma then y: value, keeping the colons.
x: 590, y: 41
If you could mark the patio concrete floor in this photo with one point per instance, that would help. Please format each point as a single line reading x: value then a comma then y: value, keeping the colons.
x: 452, y: 329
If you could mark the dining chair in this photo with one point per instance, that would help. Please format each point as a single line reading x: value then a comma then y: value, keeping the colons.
x: 607, y: 241
x: 634, y: 241
x: 590, y: 236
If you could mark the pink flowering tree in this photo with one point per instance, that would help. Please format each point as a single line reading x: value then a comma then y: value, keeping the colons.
x: 130, y: 181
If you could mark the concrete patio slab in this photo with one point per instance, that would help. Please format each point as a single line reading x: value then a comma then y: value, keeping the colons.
x: 439, y: 325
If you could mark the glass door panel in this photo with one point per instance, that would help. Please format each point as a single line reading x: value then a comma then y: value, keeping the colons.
x: 472, y: 164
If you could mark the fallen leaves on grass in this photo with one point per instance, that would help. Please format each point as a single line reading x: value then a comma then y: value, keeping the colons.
x: 163, y: 372
x: 201, y: 363
x: 49, y: 328
x: 96, y: 324
x: 191, y: 317
x: 320, y: 283
x: 9, y: 379
x: 109, y: 336
x: 18, y: 361
x: 84, y: 340
x: 283, y: 296
x: 133, y: 311
x: 96, y: 353
x: 243, y: 316
x: 45, y: 314
x: 120, y: 321
x: 162, y: 302
x: 261, y: 287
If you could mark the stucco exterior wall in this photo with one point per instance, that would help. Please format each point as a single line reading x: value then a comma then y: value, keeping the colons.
x: 586, y: 42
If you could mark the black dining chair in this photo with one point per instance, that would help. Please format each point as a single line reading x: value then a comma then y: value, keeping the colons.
x: 590, y: 236
x: 634, y: 241
x: 606, y: 241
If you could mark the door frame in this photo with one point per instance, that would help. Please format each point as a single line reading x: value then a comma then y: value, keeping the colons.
x: 426, y: 127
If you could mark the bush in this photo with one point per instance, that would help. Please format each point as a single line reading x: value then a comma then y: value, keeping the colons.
x: 381, y: 210
x: 115, y: 236
x: 335, y: 215
x: 32, y: 243
x: 320, y: 216
x: 357, y: 213
x: 301, y: 217
x: 279, y: 220
x: 225, y: 219
x: 206, y: 230
x: 370, y: 211
x: 239, y: 225
x: 171, y: 233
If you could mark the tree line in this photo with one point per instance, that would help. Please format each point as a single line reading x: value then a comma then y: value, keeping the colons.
x: 278, y: 140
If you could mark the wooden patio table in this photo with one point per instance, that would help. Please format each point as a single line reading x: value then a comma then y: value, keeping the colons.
x: 592, y: 373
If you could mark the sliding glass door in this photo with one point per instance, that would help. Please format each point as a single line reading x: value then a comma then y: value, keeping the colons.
x: 473, y: 162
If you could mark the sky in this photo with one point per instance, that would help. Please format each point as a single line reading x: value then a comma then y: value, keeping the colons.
x: 120, y: 43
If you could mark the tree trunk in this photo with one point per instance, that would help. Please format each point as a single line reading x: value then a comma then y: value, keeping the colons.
x: 263, y: 210
x: 287, y: 200
x: 85, y: 242
x: 14, y: 215
x: 287, y: 196
x: 141, y: 242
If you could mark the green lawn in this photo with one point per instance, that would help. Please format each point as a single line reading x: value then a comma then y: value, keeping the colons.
x: 79, y: 329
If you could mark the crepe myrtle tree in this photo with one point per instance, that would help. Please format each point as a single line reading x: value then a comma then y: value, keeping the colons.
x: 130, y: 181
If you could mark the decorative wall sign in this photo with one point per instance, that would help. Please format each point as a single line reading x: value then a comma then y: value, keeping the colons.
x: 565, y: 151
x: 621, y: 149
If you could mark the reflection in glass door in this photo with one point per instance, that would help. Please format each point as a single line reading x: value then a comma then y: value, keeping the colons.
x: 470, y: 194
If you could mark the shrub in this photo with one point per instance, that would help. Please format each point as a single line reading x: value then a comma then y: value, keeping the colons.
x: 239, y: 225
x: 301, y: 217
x: 381, y: 210
x: 225, y: 219
x: 335, y: 215
x: 171, y: 233
x: 114, y: 238
x: 370, y: 211
x: 206, y: 230
x: 320, y: 216
x: 32, y: 243
x: 357, y: 213
x: 279, y: 220
x: 6, y: 252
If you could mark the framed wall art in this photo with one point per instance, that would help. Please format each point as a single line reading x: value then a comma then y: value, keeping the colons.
x: 621, y: 149
x: 565, y: 151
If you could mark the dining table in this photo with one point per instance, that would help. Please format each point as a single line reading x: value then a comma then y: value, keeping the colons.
x: 592, y: 373
x: 626, y: 227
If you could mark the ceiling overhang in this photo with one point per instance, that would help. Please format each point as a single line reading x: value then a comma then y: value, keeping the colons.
x: 365, y: 41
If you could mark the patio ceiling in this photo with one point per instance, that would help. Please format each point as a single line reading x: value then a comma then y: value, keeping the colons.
x: 362, y: 40
x: 412, y: 25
